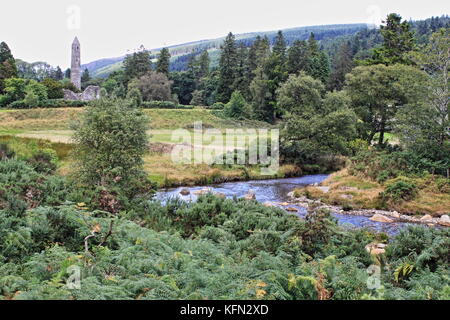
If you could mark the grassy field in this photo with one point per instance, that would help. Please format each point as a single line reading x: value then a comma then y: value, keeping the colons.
x: 50, y: 128
x: 361, y: 193
x: 19, y: 121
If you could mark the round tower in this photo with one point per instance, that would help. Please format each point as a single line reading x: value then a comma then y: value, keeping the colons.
x: 75, y: 69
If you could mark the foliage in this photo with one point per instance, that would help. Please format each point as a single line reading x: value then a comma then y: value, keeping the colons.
x: 54, y: 88
x: 315, y: 126
x: 110, y: 142
x: 398, y: 40
x: 153, y: 86
x: 237, y: 107
x: 399, y: 190
x: 54, y: 103
x: 377, y: 92
x: 164, y: 105
x: 163, y: 63
x: 137, y: 64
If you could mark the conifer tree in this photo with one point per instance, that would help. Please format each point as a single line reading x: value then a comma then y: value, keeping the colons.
x: 8, y: 67
x: 297, y: 57
x: 163, y: 63
x: 343, y: 64
x: 398, y: 40
x: 227, y: 69
x: 204, y: 62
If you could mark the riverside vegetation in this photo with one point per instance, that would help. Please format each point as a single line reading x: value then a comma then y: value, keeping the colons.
x: 376, y: 109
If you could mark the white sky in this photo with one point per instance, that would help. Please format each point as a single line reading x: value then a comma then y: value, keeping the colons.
x: 43, y: 30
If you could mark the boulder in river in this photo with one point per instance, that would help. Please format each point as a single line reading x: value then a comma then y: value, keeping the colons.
x: 203, y: 191
x: 185, y: 192
x: 426, y: 218
x: 268, y: 204
x: 220, y: 195
x: 444, y: 220
x: 250, y: 195
x: 292, y: 209
x: 380, y: 218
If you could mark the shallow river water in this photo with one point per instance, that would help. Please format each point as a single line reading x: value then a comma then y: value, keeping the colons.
x: 276, y: 191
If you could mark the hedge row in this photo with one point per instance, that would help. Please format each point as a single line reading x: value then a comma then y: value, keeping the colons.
x: 50, y: 103
x: 164, y: 105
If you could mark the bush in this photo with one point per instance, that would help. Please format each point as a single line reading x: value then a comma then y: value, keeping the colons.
x: 111, y: 141
x: 54, y: 88
x: 400, y: 190
x: 44, y: 161
x: 164, y: 105
x: 49, y: 103
x: 217, y: 106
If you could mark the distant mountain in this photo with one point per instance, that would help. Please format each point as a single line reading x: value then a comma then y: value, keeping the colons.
x: 180, y: 53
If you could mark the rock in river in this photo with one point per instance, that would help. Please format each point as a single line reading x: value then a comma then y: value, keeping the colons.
x: 444, y: 220
x: 380, y: 218
x: 185, y: 192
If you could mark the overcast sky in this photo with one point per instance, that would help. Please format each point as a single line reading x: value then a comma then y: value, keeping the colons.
x: 43, y: 30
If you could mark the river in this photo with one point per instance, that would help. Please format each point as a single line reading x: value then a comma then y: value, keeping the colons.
x: 276, y: 191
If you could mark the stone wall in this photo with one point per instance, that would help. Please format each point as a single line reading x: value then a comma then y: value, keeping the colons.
x: 89, y: 94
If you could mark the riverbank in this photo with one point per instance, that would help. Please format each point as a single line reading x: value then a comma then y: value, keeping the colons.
x: 383, y: 216
x: 359, y: 196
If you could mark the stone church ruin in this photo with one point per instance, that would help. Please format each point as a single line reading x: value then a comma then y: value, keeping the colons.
x: 91, y: 92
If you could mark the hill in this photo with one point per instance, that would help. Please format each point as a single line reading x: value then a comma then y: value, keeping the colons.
x: 181, y: 52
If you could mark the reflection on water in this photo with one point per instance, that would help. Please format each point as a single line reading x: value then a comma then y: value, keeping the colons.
x: 276, y: 190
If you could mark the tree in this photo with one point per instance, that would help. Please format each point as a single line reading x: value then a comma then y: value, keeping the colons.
x: 204, y: 62
x: 398, y: 40
x: 279, y: 47
x: 85, y: 78
x: 297, y: 57
x: 35, y: 93
x: 54, y: 88
x: 317, y: 65
x: 153, y: 86
x: 183, y: 85
x: 67, y: 73
x: 198, y: 98
x: 423, y: 125
x: 243, y: 78
x: 58, y: 74
x: 8, y: 67
x: 227, y: 69
x: 14, y: 90
x: 314, y: 126
x: 163, y: 63
x: 110, y: 141
x: 237, y: 107
x: 343, y: 64
x: 275, y: 69
x: 135, y: 96
x: 137, y: 64
x: 376, y: 94
x: 262, y: 107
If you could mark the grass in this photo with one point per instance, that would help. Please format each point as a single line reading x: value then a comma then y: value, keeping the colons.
x: 361, y: 193
x: 60, y: 119
x: 50, y: 128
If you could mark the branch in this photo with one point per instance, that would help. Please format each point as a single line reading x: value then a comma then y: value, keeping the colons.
x: 111, y: 225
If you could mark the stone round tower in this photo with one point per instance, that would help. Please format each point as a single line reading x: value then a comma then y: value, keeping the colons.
x: 75, y: 69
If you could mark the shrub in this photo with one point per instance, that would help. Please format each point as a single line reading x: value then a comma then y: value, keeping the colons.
x: 44, y: 161
x: 163, y: 105
x: 399, y: 190
x: 49, y: 103
x: 54, y: 88
x: 5, y: 152
x: 111, y: 140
